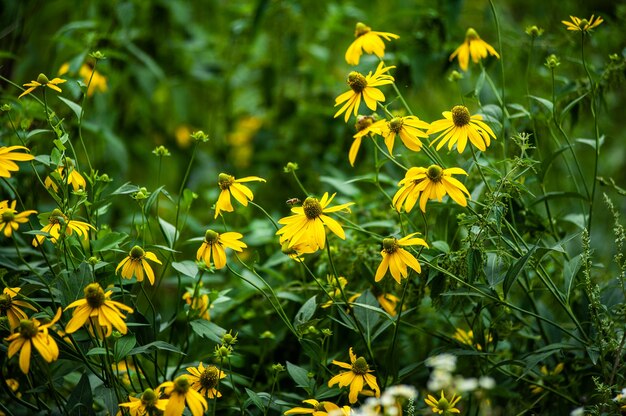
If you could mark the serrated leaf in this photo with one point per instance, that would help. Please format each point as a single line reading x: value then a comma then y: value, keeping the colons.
x: 208, y: 329
x: 109, y: 241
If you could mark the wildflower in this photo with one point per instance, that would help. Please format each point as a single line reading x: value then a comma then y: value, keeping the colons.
x: 10, y: 307
x: 97, y: 308
x: 363, y: 126
x: 57, y: 221
x: 181, y: 393
x: 135, y: 264
x: 74, y: 177
x: 443, y: 362
x: 467, y: 338
x: 149, y: 404
x: 396, y: 259
x: 358, y: 375
x: 215, y: 245
x: 443, y: 406
x: 296, y: 251
x: 458, y: 125
x: 31, y: 334
x: 363, y: 87
x: 90, y: 76
x: 368, y: 41
x: 549, y: 374
x: 583, y: 25
x: 205, y: 380
x: 473, y: 46
x: 388, y: 302
x: 42, y: 80
x: 199, y: 304
x: 336, y: 288
x: 307, y: 225
x: 8, y: 158
x: 552, y: 61
x: 408, y: 128
x: 229, y: 185
x: 534, y: 31
x: 318, y: 409
x: 10, y: 220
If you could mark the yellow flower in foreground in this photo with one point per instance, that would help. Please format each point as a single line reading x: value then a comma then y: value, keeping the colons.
x: 319, y: 409
x: 583, y: 25
x: 32, y: 334
x: 473, y: 46
x: 215, y: 245
x: 90, y: 76
x: 407, y: 128
x: 99, y: 310
x: 458, y: 125
x: 8, y: 158
x: 42, y: 80
x: 431, y: 183
x: 443, y: 406
x: 205, y: 380
x: 135, y: 264
x: 368, y: 41
x: 149, y: 404
x: 10, y: 220
x: 307, y: 225
x: 363, y: 87
x: 229, y: 185
x: 180, y: 392
x: 10, y: 307
x: 356, y: 378
x: 363, y: 126
x: 396, y: 259
x: 74, y: 177
x: 57, y: 222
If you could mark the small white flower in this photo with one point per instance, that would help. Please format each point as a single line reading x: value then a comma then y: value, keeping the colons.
x: 486, y: 382
x: 445, y: 362
x: 579, y: 411
x: 465, y: 384
x: 439, y: 380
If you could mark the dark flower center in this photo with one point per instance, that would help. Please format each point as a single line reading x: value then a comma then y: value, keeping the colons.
x: 209, y: 378
x: 363, y: 122
x: 149, y: 398
x: 28, y: 329
x: 434, y: 173
x: 8, y: 215
x: 357, y: 82
x: 42, y: 79
x: 5, y: 303
x: 460, y: 115
x: 225, y: 180
x: 94, y: 295
x: 390, y: 245
x: 57, y: 217
x: 395, y: 124
x: 361, y: 29
x: 181, y: 385
x: 211, y: 237
x: 360, y: 366
x: 137, y: 253
x: 312, y: 208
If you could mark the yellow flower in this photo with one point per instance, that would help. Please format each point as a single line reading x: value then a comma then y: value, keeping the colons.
x: 363, y: 87
x: 583, y: 25
x: 319, y: 409
x: 9, y: 306
x: 467, y: 338
x: 296, y: 251
x: 368, y: 41
x: 180, y: 392
x: 431, y: 183
x: 149, y: 404
x: 205, y: 380
x: 229, y: 185
x: 356, y: 378
x: 91, y: 77
x: 8, y: 158
x: 363, y: 126
x: 549, y: 375
x: 199, y: 303
x: 388, y: 302
x: 135, y: 264
x: 473, y: 46
x: 215, y: 245
x: 10, y: 220
x: 443, y: 406
x: 458, y: 125
x: 43, y: 80
x: 408, y: 128
x: 32, y: 334
x: 99, y: 310
x: 396, y: 259
x: 57, y: 222
x: 74, y: 177
x: 335, y: 290
x: 307, y: 225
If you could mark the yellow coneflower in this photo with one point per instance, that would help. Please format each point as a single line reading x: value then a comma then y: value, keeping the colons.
x: 10, y: 220
x: 583, y: 25
x: 396, y: 259
x: 10, y: 306
x: 205, y: 380
x: 215, y: 244
x: 319, y: 409
x: 135, y: 264
x: 457, y: 126
x: 148, y: 404
x: 473, y: 46
x: 357, y: 376
x: 42, y: 80
x: 57, y: 222
x: 8, y: 157
x: 443, y: 406
x: 231, y: 186
x: 367, y: 40
x: 180, y: 393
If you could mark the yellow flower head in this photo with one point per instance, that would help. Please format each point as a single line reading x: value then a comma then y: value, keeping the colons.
x: 10, y: 220
x: 135, y: 264
x: 307, y: 225
x: 205, y: 380
x: 365, y: 126
x: 99, y: 310
x: 363, y: 87
x: 396, y: 259
x: 583, y: 25
x: 10, y: 306
x: 74, y: 177
x: 91, y: 77
x: 408, y: 128
x: 199, y: 303
x: 357, y: 376
x: 229, y: 185
x: 42, y: 80
x: 388, y: 302
x: 467, y: 338
x: 368, y: 41
x: 431, y: 183
x: 473, y: 46
x: 443, y: 406
x: 8, y: 157
x: 148, y: 404
x: 180, y: 393
x: 319, y: 409
x: 215, y: 245
x: 31, y: 334
x: 457, y: 126
x: 296, y: 251
x: 57, y: 222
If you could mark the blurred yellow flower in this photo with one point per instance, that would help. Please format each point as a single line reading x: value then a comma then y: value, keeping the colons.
x: 149, y: 404
x: 135, y: 264
x: 10, y: 307
x: 205, y: 380
x: 363, y: 87
x: 363, y: 126
x: 199, y: 303
x: 473, y: 46
x: 431, y: 183
x: 388, y: 302
x: 10, y: 220
x: 357, y: 376
x: 319, y: 409
x: 296, y: 251
x: 467, y: 338
x: 409, y: 129
x: 545, y: 373
x: 231, y: 186
x: 43, y: 80
x: 57, y: 222
x: 74, y: 178
x: 443, y: 406
x: 215, y: 245
x: 368, y: 41
x: 458, y: 125
x: 180, y: 393
x: 91, y: 77
x: 583, y: 25
x: 8, y: 158
x: 396, y: 259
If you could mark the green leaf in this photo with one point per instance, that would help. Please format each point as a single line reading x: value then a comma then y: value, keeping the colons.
x: 125, y: 189
x: 300, y: 376
x: 366, y: 316
x: 123, y: 346
x: 109, y: 241
x: 474, y: 264
x: 208, y: 329
x: 305, y: 313
x: 340, y: 185
x: 77, y: 109
x: 186, y: 268
x: 572, y: 104
x: 169, y: 232
x: 96, y: 351
x: 156, y: 345
x: 256, y: 399
x: 80, y: 401
x: 546, y: 103
x: 570, y: 270
x: 513, y: 273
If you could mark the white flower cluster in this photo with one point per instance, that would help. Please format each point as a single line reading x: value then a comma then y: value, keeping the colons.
x: 390, y: 402
x: 442, y: 376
